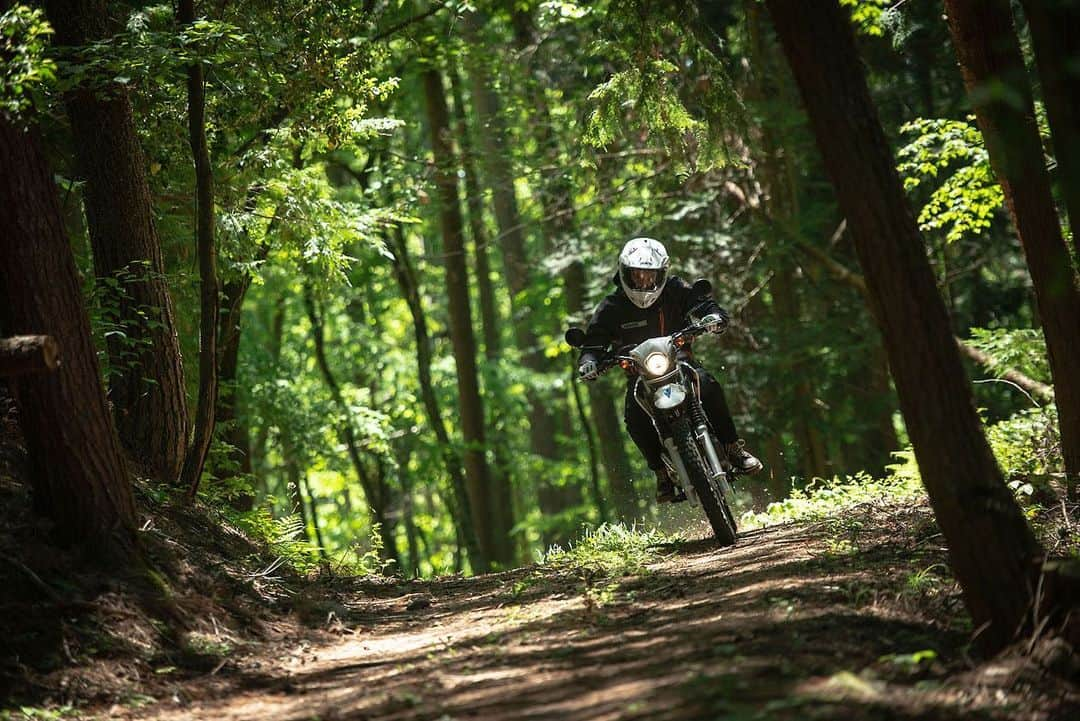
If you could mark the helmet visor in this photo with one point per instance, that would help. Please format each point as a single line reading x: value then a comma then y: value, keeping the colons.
x: 643, y: 279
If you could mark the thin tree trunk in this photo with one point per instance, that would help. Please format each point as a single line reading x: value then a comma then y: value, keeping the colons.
x: 146, y: 386
x: 992, y: 549
x: 989, y: 52
x: 543, y: 430
x: 195, y: 460
x: 462, y: 510
x: 76, y: 465
x: 493, y: 534
x: 373, y: 493
x: 277, y: 330
x: 474, y: 202
x: 1053, y: 25
x: 490, y: 321
x: 235, y: 431
x: 781, y: 204
x: 313, y: 514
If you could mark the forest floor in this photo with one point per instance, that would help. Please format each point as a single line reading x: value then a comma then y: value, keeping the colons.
x: 848, y: 616
x: 853, y: 617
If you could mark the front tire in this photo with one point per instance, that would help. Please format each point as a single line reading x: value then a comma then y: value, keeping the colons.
x: 712, y: 500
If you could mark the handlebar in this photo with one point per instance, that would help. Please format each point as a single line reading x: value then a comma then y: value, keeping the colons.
x: 678, y: 339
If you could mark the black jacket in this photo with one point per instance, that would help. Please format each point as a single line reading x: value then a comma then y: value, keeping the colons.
x: 617, y: 322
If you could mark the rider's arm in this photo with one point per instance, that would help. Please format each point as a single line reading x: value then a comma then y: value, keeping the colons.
x: 601, y: 333
x: 698, y: 307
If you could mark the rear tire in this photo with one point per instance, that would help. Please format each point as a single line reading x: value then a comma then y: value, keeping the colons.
x: 712, y: 500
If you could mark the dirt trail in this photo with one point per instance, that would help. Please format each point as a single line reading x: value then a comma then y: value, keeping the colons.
x: 793, y: 623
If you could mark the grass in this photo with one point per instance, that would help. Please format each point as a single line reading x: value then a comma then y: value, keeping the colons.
x: 612, y: 550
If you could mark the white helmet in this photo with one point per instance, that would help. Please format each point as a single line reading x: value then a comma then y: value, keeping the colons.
x: 643, y: 270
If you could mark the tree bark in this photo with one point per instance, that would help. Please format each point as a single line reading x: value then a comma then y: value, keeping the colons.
x: 76, y: 464
x: 195, y: 460
x: 990, y: 58
x: 25, y: 354
x: 491, y: 529
x: 1053, y: 25
x: 146, y: 386
x: 410, y: 289
x: 992, y: 549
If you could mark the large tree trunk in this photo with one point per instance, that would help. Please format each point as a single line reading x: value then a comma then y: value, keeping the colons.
x: 491, y: 529
x: 147, y: 382
x: 992, y: 549
x: 1053, y: 25
x: 410, y: 289
x: 990, y: 58
x: 76, y: 464
x: 195, y: 460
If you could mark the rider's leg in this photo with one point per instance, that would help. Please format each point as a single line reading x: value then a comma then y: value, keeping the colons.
x: 716, y: 408
x: 645, y: 437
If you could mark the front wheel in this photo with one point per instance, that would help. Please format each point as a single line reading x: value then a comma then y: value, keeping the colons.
x: 712, y: 499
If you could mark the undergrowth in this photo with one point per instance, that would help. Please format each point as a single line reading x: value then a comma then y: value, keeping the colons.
x: 822, y: 498
x: 612, y: 549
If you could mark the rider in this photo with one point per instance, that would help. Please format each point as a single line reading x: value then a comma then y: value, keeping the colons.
x: 648, y: 303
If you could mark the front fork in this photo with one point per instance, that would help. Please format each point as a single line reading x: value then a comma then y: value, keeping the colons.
x: 692, y: 408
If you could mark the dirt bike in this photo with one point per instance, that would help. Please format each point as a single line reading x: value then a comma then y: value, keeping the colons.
x: 667, y: 388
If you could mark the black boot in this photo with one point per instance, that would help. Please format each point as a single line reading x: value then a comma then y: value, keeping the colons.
x: 740, y: 459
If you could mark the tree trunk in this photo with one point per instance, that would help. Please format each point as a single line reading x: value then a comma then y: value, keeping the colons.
x: 195, y: 460
x: 491, y: 529
x: 990, y: 57
x: 410, y: 290
x: 76, y: 465
x: 474, y: 201
x: 543, y: 430
x: 1053, y: 25
x: 235, y: 431
x: 313, y: 514
x: 781, y: 205
x: 992, y: 549
x: 374, y: 494
x: 490, y: 322
x: 147, y: 382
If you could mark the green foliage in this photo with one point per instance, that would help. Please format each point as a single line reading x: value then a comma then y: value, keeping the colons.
x: 1027, y: 444
x: 823, y: 499
x: 1021, y: 349
x: 870, y: 17
x: 24, y: 68
x: 965, y: 201
x: 611, y: 550
x: 684, y: 98
x: 32, y: 713
x: 119, y: 323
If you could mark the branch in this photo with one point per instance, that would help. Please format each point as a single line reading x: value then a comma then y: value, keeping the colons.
x: 383, y: 34
x: 23, y: 354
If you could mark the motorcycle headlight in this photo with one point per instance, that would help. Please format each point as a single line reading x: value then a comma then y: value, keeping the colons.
x: 657, y: 364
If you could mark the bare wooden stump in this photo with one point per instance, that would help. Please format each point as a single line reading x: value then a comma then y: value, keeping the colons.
x: 23, y: 354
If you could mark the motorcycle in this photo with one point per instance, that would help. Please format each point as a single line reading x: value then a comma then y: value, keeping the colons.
x: 667, y: 388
